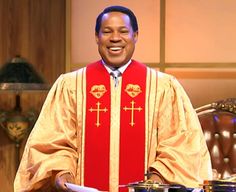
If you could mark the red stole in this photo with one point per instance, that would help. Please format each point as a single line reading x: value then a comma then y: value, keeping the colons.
x: 132, y: 126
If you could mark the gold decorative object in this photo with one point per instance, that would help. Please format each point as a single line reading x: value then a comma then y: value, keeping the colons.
x: 17, y: 125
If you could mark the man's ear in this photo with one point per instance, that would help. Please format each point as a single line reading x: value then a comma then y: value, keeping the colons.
x: 135, y: 36
x: 96, y: 37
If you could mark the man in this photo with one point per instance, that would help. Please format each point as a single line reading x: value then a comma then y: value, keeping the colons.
x: 103, y: 131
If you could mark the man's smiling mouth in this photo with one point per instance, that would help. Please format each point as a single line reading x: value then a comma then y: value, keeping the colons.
x: 115, y: 48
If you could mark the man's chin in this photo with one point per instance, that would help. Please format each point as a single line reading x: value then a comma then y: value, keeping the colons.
x: 116, y: 62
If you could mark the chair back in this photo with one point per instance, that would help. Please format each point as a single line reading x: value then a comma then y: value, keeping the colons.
x: 218, y: 121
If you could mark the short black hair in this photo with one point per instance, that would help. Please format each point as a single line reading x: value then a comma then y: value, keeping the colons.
x: 121, y: 9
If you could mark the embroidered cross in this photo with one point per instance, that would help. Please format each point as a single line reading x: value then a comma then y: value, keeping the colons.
x: 132, y: 109
x: 98, y: 110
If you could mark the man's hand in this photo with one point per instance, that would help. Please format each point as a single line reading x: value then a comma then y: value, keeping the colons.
x: 154, y: 175
x: 61, y: 179
x: 156, y: 178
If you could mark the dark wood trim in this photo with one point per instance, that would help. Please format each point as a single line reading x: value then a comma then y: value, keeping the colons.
x: 199, y: 65
x: 68, y: 36
x: 162, y: 34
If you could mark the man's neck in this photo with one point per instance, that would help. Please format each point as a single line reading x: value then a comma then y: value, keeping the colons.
x: 121, y: 69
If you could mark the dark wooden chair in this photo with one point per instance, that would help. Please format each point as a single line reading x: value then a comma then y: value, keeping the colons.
x: 218, y: 121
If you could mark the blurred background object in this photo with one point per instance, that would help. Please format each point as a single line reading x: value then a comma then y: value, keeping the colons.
x: 17, y: 76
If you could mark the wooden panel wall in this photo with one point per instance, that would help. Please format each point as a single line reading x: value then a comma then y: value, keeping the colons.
x: 36, y: 31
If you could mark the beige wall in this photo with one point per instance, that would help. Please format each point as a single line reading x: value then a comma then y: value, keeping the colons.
x: 200, y: 31
x: 198, y: 41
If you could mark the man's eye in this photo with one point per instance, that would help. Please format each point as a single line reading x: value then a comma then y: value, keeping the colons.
x: 124, y: 31
x: 106, y: 32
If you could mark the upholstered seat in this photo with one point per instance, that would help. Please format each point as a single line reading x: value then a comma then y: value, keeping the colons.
x: 218, y: 122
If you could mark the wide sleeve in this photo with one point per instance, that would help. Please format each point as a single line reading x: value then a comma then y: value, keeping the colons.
x: 51, y: 145
x: 181, y: 154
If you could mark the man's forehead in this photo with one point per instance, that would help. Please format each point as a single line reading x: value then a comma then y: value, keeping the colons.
x: 114, y: 14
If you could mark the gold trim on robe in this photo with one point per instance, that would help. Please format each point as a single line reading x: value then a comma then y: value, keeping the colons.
x: 114, y: 136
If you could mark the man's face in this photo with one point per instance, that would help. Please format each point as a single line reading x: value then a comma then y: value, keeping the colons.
x: 116, y: 39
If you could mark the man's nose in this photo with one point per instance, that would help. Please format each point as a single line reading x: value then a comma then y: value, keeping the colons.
x: 115, y: 36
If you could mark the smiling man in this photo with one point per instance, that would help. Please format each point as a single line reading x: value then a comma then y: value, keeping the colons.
x: 115, y: 120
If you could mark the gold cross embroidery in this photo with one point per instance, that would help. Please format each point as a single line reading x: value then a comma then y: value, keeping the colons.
x: 98, y: 110
x: 132, y: 109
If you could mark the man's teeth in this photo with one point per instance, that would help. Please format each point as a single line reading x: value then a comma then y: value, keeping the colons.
x: 115, y: 48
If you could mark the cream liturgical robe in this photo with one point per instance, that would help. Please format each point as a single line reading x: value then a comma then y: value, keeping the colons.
x: 173, y: 140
